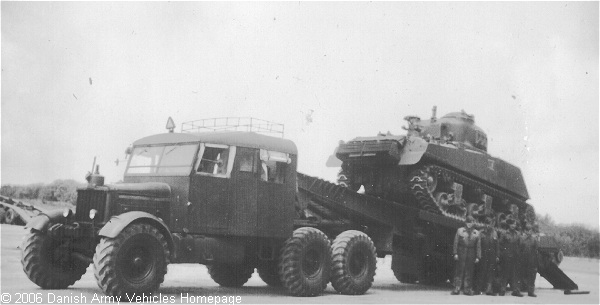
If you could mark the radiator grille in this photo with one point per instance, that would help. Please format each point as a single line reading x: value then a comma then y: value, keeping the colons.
x: 87, y: 200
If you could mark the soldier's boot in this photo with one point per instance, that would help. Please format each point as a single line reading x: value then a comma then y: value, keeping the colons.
x: 489, y: 290
x: 531, y: 294
x: 455, y: 292
x: 517, y: 293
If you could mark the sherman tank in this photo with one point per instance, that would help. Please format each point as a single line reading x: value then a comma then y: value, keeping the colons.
x: 440, y: 165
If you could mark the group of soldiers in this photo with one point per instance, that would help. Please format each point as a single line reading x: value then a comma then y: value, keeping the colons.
x: 488, y: 259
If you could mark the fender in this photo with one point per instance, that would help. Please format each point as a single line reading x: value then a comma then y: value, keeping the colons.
x: 413, y: 150
x: 42, y: 221
x: 116, y: 224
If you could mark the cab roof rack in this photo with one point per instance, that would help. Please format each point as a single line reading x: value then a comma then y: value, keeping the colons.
x: 233, y: 124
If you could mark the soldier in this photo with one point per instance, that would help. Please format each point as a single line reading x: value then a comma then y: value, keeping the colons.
x: 510, y: 243
x: 529, y: 259
x: 486, y: 269
x: 467, y: 252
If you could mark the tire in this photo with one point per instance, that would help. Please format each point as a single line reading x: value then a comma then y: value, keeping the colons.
x: 269, y: 273
x: 133, y: 262
x: 353, y: 263
x: 405, y: 278
x: 47, y: 262
x: 230, y: 275
x: 11, y: 217
x: 305, y: 262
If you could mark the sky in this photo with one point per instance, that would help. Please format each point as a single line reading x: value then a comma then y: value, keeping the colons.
x: 86, y: 79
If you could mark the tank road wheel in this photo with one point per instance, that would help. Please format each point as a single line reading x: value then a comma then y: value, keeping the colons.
x: 269, y: 273
x: 133, y: 262
x: 230, y: 275
x: 305, y: 262
x: 353, y: 262
x: 344, y: 180
x: 47, y: 262
x: 423, y: 183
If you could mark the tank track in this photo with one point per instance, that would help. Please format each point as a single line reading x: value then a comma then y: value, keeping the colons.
x: 418, y: 184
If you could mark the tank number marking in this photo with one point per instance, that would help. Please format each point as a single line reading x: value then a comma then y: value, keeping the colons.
x: 491, y: 164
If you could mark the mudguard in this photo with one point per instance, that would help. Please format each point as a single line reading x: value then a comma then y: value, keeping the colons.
x: 413, y: 150
x: 42, y: 221
x: 116, y: 224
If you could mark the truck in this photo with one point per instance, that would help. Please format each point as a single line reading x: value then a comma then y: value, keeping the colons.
x: 230, y: 198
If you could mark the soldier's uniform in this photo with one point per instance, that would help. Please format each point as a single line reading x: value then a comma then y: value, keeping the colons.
x: 486, y: 269
x: 467, y: 245
x: 529, y: 261
x: 510, y: 243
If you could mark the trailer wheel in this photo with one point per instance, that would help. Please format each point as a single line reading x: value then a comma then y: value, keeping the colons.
x: 353, y: 263
x: 47, y: 262
x: 403, y: 277
x: 269, y: 273
x: 11, y: 217
x: 230, y: 275
x: 306, y: 262
x: 133, y: 262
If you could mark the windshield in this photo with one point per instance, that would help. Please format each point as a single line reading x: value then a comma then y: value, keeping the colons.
x: 171, y: 159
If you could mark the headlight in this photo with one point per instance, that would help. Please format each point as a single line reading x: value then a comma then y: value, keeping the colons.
x: 93, y: 213
x: 67, y: 213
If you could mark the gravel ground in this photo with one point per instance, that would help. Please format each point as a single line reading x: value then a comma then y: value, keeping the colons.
x: 186, y: 283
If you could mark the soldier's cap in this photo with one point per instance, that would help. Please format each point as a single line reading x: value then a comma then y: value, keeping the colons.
x: 469, y: 219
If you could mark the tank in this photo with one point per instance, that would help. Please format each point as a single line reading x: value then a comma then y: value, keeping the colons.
x: 441, y: 166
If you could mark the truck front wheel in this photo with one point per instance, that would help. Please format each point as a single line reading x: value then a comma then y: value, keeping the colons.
x: 133, y: 262
x: 354, y: 263
x: 48, y: 263
x: 305, y: 262
x: 230, y: 275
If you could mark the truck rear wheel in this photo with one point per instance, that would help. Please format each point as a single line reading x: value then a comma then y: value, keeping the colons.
x: 133, y: 262
x: 48, y: 263
x: 306, y: 262
x: 269, y: 273
x: 230, y: 275
x: 353, y: 263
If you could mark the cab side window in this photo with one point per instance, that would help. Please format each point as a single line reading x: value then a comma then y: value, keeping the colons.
x: 273, y: 166
x: 246, y: 157
x: 215, y: 160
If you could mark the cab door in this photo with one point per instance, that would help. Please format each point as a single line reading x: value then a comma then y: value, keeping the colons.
x: 276, y: 193
x: 244, y: 178
x: 210, y: 206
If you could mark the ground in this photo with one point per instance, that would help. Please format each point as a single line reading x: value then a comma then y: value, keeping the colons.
x: 192, y: 280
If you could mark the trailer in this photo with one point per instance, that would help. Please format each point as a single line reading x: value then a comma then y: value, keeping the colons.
x: 418, y: 240
x: 16, y: 212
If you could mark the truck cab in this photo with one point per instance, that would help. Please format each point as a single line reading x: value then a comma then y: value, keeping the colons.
x: 230, y: 183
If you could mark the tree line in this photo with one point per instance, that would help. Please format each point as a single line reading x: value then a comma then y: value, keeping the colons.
x: 574, y: 239
x: 59, y: 190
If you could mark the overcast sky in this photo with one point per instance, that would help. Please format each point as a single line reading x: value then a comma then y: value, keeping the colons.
x: 85, y: 79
